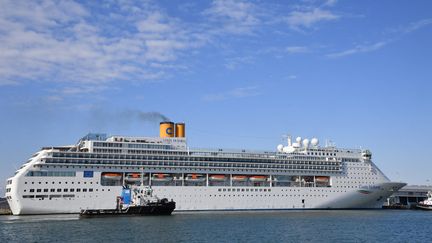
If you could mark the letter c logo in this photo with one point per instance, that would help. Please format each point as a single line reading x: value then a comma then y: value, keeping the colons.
x: 169, y: 131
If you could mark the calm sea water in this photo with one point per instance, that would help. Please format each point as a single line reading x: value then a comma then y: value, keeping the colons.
x: 275, y: 226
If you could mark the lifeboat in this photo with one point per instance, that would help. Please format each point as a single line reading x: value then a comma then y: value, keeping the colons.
x: 239, y: 178
x: 217, y: 178
x: 133, y: 177
x: 322, y: 179
x: 195, y: 177
x: 161, y: 177
x: 112, y: 176
x: 258, y: 178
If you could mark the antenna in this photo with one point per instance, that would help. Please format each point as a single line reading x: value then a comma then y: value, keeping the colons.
x: 288, y: 138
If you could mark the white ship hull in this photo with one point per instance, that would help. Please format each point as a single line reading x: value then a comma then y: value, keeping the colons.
x: 199, y: 199
x: 47, y: 185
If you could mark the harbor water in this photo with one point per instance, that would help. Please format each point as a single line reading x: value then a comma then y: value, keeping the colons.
x: 274, y: 226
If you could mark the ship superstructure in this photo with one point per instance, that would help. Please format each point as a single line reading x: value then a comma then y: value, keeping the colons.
x: 300, y: 175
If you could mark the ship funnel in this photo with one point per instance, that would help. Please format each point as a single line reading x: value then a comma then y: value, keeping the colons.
x: 180, y: 130
x: 166, y: 129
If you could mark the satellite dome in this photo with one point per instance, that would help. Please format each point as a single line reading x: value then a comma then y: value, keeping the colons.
x: 298, y: 140
x: 280, y: 147
x: 314, y: 142
x: 306, y: 142
x: 288, y: 149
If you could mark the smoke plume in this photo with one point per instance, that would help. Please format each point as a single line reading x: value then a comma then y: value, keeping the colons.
x: 151, y: 116
x: 123, y: 119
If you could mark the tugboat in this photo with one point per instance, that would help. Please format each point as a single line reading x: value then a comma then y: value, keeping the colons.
x: 135, y: 201
x: 426, y: 204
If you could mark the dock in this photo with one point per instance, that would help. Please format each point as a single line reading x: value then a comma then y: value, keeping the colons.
x: 407, y: 197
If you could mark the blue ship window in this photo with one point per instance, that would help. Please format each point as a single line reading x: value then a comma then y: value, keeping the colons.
x: 88, y: 174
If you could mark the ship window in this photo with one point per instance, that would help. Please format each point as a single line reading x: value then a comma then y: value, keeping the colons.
x: 46, y: 190
x: 31, y: 190
x: 72, y: 190
x: 84, y: 190
x: 58, y: 190
x: 39, y: 190
x: 52, y: 190
x: 78, y: 190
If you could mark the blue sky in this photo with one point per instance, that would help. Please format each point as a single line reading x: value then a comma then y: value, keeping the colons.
x: 239, y: 73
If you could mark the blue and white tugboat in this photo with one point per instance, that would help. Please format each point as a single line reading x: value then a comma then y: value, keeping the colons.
x: 426, y: 204
x: 135, y: 201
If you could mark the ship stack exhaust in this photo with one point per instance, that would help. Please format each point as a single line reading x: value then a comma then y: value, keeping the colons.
x: 168, y: 129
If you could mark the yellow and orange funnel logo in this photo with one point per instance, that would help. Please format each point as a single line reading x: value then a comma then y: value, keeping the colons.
x: 169, y: 130
x: 180, y: 130
x: 166, y: 129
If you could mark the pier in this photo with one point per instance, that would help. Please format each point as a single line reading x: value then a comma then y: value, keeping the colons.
x: 408, y: 196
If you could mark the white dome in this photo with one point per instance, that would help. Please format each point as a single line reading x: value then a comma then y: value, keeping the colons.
x: 288, y: 149
x: 280, y: 147
x: 298, y: 140
x: 306, y: 142
x: 315, y: 142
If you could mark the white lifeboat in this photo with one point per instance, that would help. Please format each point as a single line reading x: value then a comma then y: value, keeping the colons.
x: 112, y: 176
x: 258, y: 178
x: 239, y: 178
x: 161, y: 177
x: 217, y: 178
x: 195, y: 177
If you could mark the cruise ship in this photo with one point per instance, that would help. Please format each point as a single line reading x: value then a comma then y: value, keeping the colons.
x: 298, y: 175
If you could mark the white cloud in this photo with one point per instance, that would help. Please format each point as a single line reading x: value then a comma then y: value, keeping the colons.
x: 237, y: 17
x: 154, y: 23
x: 235, y: 62
x: 330, y: 2
x: 397, y: 33
x: 359, y: 49
x: 62, y: 41
x: 233, y: 94
x: 53, y: 98
x: 307, y: 18
x: 297, y: 49
x: 6, y: 82
x: 413, y: 26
